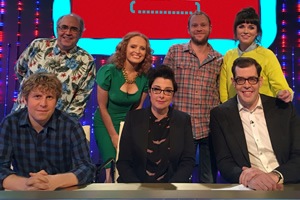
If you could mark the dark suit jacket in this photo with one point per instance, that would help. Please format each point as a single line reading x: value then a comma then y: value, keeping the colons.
x: 229, y: 141
x: 134, y: 141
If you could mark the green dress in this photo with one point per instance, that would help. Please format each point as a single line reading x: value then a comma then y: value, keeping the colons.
x: 119, y: 103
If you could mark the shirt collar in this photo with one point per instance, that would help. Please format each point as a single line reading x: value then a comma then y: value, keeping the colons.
x: 153, y: 118
x: 57, y: 50
x: 24, y: 119
x: 211, y: 54
x: 250, y: 48
x: 241, y: 107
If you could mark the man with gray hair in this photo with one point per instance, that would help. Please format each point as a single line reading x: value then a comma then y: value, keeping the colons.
x: 72, y: 65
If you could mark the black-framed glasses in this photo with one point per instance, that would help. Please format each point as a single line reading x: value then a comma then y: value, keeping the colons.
x: 251, y: 80
x: 167, y: 92
x: 73, y: 29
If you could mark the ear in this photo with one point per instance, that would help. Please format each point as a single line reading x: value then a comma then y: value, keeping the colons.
x: 233, y: 82
x: 260, y: 81
x: 188, y: 28
x: 24, y: 100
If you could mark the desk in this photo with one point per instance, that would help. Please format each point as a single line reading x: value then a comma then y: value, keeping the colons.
x: 154, y: 191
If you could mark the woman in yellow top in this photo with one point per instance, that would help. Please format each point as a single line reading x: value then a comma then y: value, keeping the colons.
x: 247, y: 30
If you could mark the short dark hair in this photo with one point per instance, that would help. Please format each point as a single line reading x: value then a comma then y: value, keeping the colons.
x: 81, y: 22
x: 161, y: 71
x: 244, y: 62
x: 44, y: 82
x: 197, y: 12
x: 249, y: 16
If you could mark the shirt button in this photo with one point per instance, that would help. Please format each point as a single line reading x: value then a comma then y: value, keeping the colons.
x: 260, y: 153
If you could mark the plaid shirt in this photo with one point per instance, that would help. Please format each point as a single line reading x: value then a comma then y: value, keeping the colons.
x: 198, y: 84
x: 60, y: 147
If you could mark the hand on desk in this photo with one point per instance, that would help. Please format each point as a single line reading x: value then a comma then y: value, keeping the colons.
x: 41, y: 181
x: 259, y: 180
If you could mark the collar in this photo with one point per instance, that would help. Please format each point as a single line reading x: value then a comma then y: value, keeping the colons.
x: 250, y: 48
x: 211, y: 54
x: 24, y: 119
x: 153, y: 118
x: 57, y: 50
x: 241, y: 107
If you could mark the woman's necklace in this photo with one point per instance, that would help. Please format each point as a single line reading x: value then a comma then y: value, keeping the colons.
x: 126, y: 77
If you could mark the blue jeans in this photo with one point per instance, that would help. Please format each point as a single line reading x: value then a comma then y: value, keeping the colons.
x: 207, y: 162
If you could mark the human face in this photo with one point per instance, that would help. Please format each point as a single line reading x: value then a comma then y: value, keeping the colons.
x: 135, y: 51
x: 41, y: 106
x: 248, y: 94
x: 160, y: 102
x: 246, y: 34
x: 67, y: 40
x: 199, y: 29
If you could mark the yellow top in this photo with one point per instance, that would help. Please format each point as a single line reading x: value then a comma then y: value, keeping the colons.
x: 273, y: 78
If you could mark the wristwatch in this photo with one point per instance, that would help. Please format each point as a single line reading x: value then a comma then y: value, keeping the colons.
x: 279, y: 175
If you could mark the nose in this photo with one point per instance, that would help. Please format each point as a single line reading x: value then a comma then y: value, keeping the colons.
x: 247, y: 84
x: 161, y: 95
x: 68, y: 31
x: 43, y: 102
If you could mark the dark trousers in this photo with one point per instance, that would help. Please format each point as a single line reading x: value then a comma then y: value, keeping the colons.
x: 207, y: 162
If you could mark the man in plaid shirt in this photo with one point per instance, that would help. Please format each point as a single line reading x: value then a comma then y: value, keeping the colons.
x: 197, y: 67
x: 46, y: 146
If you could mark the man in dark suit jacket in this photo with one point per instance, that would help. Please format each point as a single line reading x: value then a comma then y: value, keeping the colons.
x: 255, y: 137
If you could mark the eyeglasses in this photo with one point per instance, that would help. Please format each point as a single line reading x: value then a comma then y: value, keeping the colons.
x: 242, y: 81
x: 166, y: 92
x: 64, y: 28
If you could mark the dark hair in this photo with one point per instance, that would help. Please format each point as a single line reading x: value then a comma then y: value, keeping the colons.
x: 249, y: 16
x: 161, y: 71
x: 197, y: 12
x: 119, y: 57
x: 81, y: 22
x: 244, y: 62
x: 44, y: 82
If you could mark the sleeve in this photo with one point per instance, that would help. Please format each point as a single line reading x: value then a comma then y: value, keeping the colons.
x: 145, y: 86
x: 85, y: 87
x: 21, y: 66
x: 187, y: 160
x: 223, y: 81
x: 274, y: 73
x: 103, y: 77
x: 227, y: 166
x: 5, y: 151
x: 290, y: 169
x: 125, y: 160
x: 83, y: 168
x: 169, y: 58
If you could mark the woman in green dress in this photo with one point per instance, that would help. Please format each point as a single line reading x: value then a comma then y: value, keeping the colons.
x: 121, y: 86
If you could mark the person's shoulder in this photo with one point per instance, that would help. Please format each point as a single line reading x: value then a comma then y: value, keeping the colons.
x: 229, y: 104
x: 48, y: 42
x: 64, y: 117
x: 230, y: 52
x: 109, y: 67
x: 138, y: 112
x: 15, y: 117
x: 179, y: 46
x: 180, y: 114
x: 276, y: 102
x: 83, y: 52
x: 215, y: 53
x: 264, y: 51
